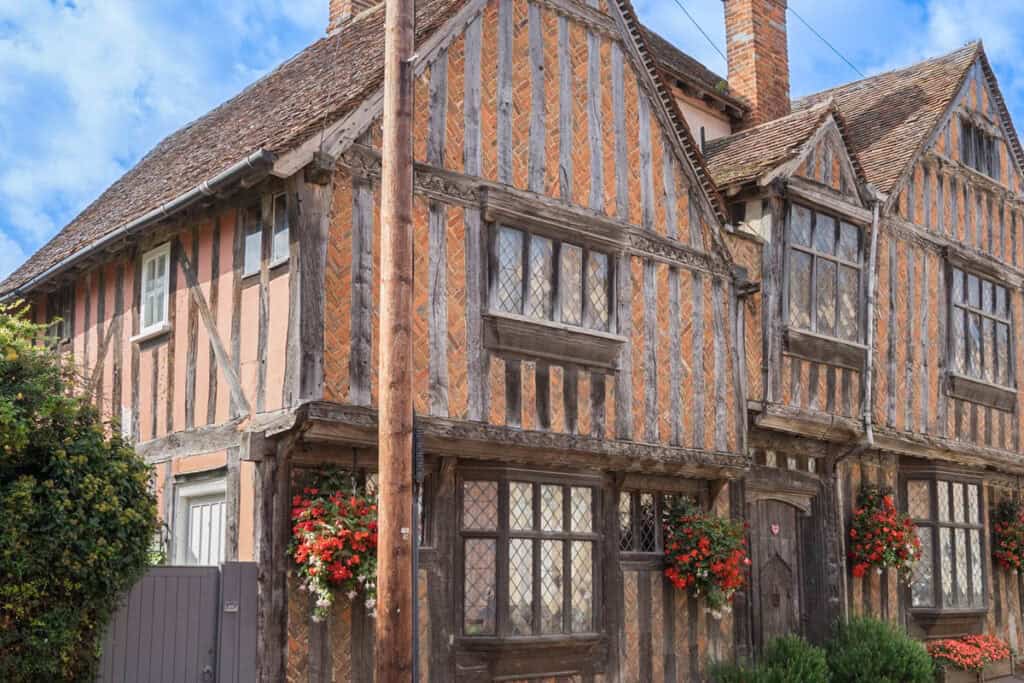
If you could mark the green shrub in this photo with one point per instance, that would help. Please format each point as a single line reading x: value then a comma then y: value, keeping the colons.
x: 872, y: 651
x: 789, y: 659
x: 77, y: 514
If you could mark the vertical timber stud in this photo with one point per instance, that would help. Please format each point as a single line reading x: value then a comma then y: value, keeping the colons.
x: 394, y: 586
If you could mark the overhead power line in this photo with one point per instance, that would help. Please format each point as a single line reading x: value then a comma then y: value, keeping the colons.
x: 822, y: 39
x: 702, y: 31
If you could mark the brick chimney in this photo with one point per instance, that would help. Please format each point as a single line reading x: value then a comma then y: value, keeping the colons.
x: 755, y: 34
x: 343, y: 10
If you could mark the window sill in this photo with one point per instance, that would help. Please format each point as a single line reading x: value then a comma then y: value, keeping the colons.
x: 980, y: 391
x: 508, y: 333
x: 823, y: 349
x: 948, y: 622
x: 157, y: 331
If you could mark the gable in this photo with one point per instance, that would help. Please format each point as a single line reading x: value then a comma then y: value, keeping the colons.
x: 976, y: 105
x: 548, y: 98
x: 826, y: 161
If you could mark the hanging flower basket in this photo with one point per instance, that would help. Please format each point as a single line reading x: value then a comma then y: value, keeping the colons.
x: 334, y: 542
x: 1008, y: 535
x: 706, y: 554
x: 880, y: 536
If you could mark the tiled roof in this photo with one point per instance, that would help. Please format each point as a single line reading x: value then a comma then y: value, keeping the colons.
x: 888, y: 116
x: 277, y: 113
x: 676, y: 63
x: 749, y: 154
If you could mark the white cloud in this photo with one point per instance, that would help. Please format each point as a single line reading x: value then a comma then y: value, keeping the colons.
x: 87, y: 87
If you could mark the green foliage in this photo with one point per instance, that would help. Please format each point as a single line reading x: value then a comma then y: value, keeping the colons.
x: 78, y: 515
x: 868, y: 650
x: 789, y: 659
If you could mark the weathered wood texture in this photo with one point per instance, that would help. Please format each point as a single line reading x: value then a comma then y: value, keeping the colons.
x: 479, y: 119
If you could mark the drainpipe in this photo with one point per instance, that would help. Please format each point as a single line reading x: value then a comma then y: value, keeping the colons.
x: 868, y: 440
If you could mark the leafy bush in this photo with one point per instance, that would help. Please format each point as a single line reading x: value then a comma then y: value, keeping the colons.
x: 789, y: 659
x: 871, y: 651
x: 77, y: 514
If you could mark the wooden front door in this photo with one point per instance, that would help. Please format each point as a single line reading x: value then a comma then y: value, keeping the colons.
x: 775, y: 541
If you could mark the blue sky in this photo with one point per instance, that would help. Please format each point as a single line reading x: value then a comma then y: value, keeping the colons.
x: 89, y: 86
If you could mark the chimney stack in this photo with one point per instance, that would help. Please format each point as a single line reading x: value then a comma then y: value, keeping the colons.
x: 343, y: 10
x: 755, y: 34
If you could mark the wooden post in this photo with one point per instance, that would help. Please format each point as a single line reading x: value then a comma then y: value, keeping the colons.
x: 394, y: 554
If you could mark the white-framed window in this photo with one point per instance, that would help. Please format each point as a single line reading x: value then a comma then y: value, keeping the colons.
x: 199, y: 522
x: 156, y: 283
x: 253, y: 232
x: 279, y: 246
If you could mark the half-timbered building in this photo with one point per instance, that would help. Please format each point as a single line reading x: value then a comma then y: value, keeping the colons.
x: 633, y: 279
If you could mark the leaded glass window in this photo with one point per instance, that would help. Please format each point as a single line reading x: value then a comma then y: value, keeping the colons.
x: 824, y: 264
x: 548, y: 279
x: 980, y: 330
x: 979, y: 149
x: 640, y: 522
x: 947, y: 515
x: 529, y: 557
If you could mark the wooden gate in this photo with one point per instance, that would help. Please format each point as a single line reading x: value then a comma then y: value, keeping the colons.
x: 185, y: 625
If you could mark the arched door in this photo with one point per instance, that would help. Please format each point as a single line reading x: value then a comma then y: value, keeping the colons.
x: 776, y: 571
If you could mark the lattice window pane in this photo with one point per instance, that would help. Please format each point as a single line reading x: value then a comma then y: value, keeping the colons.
x: 961, y: 567
x: 648, y: 524
x: 922, y: 583
x: 372, y: 483
x: 800, y: 289
x: 849, y: 243
x: 943, y: 489
x: 1002, y: 309
x: 520, y: 506
x: 520, y: 586
x: 597, y: 291
x: 570, y: 284
x: 988, y: 349
x: 825, y: 234
x: 582, y: 509
x: 800, y: 226
x: 825, y: 283
x: 625, y: 521
x: 959, y: 340
x: 509, y: 294
x: 958, y: 287
x: 919, y: 499
x: 946, y: 565
x: 480, y: 505
x: 958, y: 503
x: 478, y: 588
x: 551, y: 587
x: 973, y: 291
x: 973, y: 511
x: 977, y: 590
x: 551, y: 508
x: 538, y: 298
x: 1003, y: 373
x: 582, y: 586
x: 849, y: 298
x: 987, y: 300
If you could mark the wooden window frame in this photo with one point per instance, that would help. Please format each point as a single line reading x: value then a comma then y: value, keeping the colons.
x: 979, y: 149
x: 810, y: 344
x: 965, y: 384
x: 655, y: 557
x: 275, y: 258
x: 207, y: 485
x: 936, y: 612
x: 252, y: 224
x: 60, y: 307
x: 502, y: 535
x: 517, y: 335
x: 162, y: 324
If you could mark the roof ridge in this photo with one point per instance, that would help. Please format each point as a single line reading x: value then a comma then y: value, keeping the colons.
x: 813, y: 98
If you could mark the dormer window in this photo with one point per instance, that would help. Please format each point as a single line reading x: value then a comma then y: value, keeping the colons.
x: 548, y: 279
x: 979, y: 149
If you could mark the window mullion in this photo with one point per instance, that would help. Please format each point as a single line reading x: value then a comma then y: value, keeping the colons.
x: 501, y: 557
x: 584, y: 290
x: 936, y: 546
x: 567, y: 581
x: 524, y: 285
x: 536, y: 543
x: 556, y: 280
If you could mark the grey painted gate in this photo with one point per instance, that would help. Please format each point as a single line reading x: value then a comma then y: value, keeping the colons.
x: 185, y: 625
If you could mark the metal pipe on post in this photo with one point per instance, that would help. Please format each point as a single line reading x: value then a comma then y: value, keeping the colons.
x: 394, y: 627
